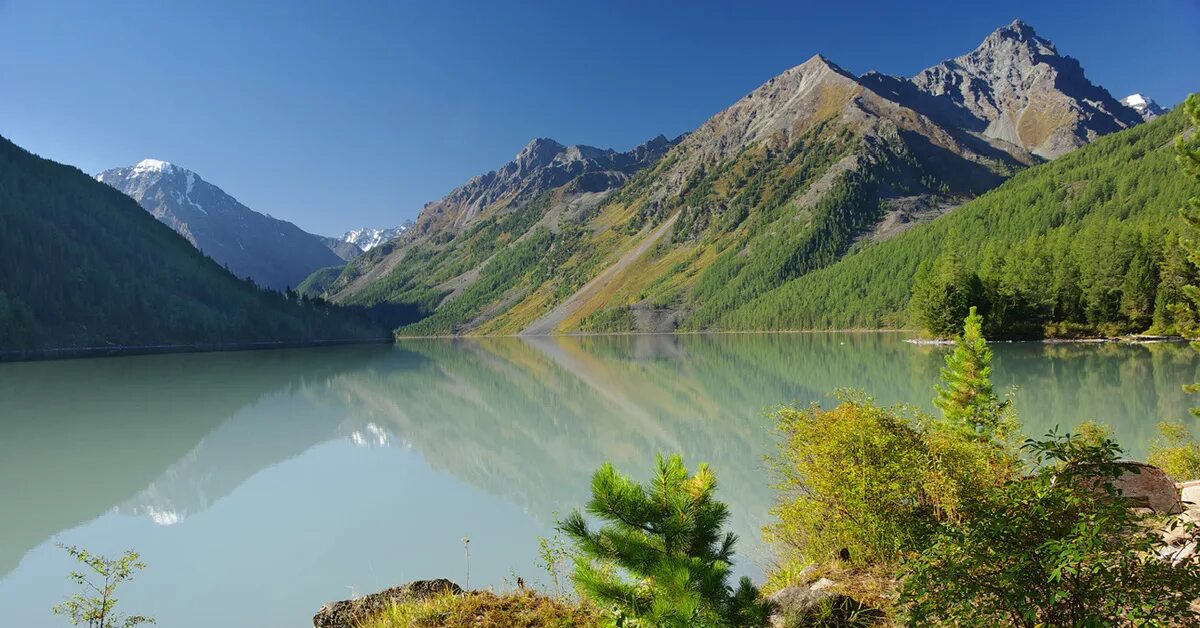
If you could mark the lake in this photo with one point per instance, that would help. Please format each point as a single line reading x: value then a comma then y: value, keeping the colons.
x: 259, y: 485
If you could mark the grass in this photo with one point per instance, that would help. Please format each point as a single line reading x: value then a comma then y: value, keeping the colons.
x: 483, y: 609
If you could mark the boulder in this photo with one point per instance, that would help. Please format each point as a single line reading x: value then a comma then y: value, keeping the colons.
x: 802, y: 606
x: 1190, y: 494
x: 794, y: 602
x: 1147, y: 486
x: 351, y: 613
x: 796, y: 599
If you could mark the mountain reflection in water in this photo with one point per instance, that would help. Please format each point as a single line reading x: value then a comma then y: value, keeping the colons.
x: 274, y: 481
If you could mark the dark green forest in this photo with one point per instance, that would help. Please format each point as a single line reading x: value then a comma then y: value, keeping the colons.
x: 1086, y: 244
x: 83, y: 265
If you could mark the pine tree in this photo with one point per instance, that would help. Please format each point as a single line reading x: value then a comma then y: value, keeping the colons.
x: 966, y: 397
x: 667, y: 537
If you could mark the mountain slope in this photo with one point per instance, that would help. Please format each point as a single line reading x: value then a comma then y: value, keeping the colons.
x: 812, y: 165
x: 1082, y: 244
x: 542, y: 165
x: 473, y: 246
x: 274, y: 253
x: 82, y: 265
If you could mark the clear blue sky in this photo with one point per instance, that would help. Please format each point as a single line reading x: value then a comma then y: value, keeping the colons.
x: 342, y: 114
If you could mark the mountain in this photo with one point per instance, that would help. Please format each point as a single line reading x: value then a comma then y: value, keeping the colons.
x: 813, y: 165
x: 368, y: 238
x: 1145, y: 106
x: 343, y: 249
x: 82, y: 265
x: 274, y: 253
x: 1082, y: 245
x: 1015, y: 87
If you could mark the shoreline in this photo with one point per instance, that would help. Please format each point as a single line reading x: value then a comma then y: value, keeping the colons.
x: 74, y: 353
x: 1134, y: 339
x: 71, y: 353
x: 585, y: 334
x: 1139, y: 339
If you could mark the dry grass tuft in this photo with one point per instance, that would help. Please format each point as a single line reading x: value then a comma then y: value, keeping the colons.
x: 482, y: 609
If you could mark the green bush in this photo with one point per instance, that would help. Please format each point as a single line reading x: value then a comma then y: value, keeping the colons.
x: 852, y: 479
x: 1050, y: 549
x: 868, y: 485
x: 660, y: 560
x: 1176, y: 452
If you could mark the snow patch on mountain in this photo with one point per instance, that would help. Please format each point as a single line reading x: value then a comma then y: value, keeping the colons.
x: 368, y: 238
x: 152, y: 165
x: 1144, y: 105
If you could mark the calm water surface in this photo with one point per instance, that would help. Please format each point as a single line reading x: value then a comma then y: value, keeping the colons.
x: 259, y: 485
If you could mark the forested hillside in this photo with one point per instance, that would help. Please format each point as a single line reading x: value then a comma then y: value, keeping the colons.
x: 1084, y: 244
x: 82, y: 265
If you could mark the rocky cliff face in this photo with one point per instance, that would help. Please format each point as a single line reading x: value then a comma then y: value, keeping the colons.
x: 274, y: 253
x: 1015, y: 87
x: 542, y: 165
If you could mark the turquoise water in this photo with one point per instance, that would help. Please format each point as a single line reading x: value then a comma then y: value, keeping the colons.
x: 258, y: 485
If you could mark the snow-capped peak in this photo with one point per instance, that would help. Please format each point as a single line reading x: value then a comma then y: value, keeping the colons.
x: 369, y: 238
x: 1144, y: 105
x: 1134, y: 100
x: 152, y: 165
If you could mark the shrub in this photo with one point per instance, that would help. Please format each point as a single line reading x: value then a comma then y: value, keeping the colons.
x: 96, y: 608
x: 866, y: 485
x: 1176, y: 452
x: 852, y: 479
x: 667, y: 537
x: 1051, y: 550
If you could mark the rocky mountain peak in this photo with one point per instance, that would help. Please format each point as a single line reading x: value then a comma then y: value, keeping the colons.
x: 1015, y: 87
x: 543, y: 164
x: 537, y: 153
x: 1018, y: 31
